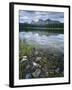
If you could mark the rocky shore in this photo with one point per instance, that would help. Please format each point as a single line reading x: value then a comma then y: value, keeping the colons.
x: 41, y: 63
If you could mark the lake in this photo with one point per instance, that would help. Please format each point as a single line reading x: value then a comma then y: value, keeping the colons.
x: 44, y: 39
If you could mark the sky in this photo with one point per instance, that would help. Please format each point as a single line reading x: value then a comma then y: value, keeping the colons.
x: 29, y: 16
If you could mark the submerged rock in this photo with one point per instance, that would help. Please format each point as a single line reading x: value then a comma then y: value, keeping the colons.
x: 38, y: 58
x: 28, y: 76
x: 28, y: 66
x: 57, y: 70
x: 36, y: 52
x: 46, y: 74
x: 42, y: 63
x: 36, y: 73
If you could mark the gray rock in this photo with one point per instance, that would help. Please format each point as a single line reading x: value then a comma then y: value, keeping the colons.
x: 24, y: 58
x: 36, y: 52
x: 36, y: 73
x: 38, y: 58
x: 47, y: 73
x: 28, y: 76
x: 57, y: 70
x: 28, y: 66
x: 36, y: 64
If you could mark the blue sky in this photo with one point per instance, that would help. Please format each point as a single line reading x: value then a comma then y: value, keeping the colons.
x: 29, y: 16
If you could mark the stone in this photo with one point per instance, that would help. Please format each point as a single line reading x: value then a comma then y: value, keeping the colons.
x: 57, y: 70
x: 28, y: 66
x: 24, y: 58
x: 46, y: 74
x: 28, y: 76
x: 36, y: 73
x: 38, y: 58
x: 36, y: 64
x: 51, y: 71
x: 36, y: 52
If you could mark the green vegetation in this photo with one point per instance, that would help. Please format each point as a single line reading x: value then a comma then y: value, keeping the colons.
x: 56, y: 28
x: 23, y: 25
x: 24, y: 49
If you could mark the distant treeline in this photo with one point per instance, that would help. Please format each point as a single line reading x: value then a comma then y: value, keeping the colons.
x: 53, y: 27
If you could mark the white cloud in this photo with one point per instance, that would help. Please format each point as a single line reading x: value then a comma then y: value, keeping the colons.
x: 28, y: 16
x: 25, y: 17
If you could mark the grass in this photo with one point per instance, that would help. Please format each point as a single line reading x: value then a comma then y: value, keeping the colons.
x: 24, y: 49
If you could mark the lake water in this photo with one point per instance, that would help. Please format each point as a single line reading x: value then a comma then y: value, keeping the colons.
x: 44, y: 39
x: 46, y: 58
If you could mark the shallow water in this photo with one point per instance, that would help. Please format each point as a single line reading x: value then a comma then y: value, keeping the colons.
x: 46, y: 58
x: 44, y: 39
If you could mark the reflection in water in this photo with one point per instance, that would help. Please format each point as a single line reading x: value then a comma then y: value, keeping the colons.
x: 44, y: 39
